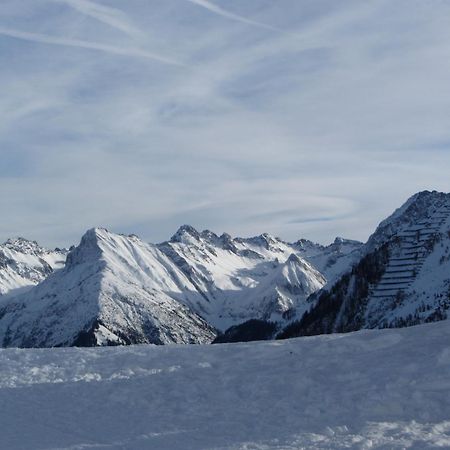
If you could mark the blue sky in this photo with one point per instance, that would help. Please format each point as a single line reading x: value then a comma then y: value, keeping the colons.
x: 302, y: 118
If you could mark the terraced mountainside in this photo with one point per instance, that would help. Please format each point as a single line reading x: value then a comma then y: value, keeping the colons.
x: 403, y: 279
x: 414, y: 245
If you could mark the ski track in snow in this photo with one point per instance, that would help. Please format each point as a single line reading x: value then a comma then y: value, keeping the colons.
x: 384, y: 389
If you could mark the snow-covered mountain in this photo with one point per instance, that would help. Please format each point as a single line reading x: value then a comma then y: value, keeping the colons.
x: 240, y: 279
x: 113, y: 290
x: 24, y: 264
x: 117, y: 289
x: 402, y: 279
x: 332, y: 260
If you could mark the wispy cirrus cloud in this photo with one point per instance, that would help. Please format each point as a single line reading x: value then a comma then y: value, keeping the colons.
x: 79, y: 43
x: 113, y: 17
x: 232, y: 16
x: 257, y: 132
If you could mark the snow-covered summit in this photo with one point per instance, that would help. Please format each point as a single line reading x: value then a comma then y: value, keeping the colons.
x: 87, y: 249
x: 185, y: 234
x: 284, y: 293
x: 331, y: 260
x: 266, y: 241
x: 25, y: 263
x: 419, y: 207
x: 20, y: 244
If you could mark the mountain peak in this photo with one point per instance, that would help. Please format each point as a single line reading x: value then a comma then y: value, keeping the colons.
x: 425, y: 198
x: 344, y: 241
x: 185, y: 234
x: 265, y: 240
x: 268, y: 237
x: 88, y: 249
x: 422, y: 206
x: 24, y: 263
x: 306, y: 246
x: 209, y: 235
x: 22, y: 245
x: 94, y: 235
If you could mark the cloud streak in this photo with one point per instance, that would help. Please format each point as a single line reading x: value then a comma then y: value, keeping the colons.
x: 260, y: 132
x: 113, y: 17
x: 78, y: 43
x: 229, y: 15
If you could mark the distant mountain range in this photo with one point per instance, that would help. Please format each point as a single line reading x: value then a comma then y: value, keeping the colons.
x: 199, y: 287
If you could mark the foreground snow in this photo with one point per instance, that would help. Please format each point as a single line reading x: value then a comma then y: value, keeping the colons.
x: 371, y: 389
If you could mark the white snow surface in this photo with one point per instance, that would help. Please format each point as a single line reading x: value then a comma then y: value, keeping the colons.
x: 373, y: 389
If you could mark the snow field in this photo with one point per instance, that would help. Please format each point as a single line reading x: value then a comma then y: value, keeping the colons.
x: 371, y: 389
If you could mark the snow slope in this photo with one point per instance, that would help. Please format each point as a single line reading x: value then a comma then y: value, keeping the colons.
x: 281, y: 295
x: 332, y: 260
x: 261, y: 277
x: 24, y: 264
x: 383, y: 389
